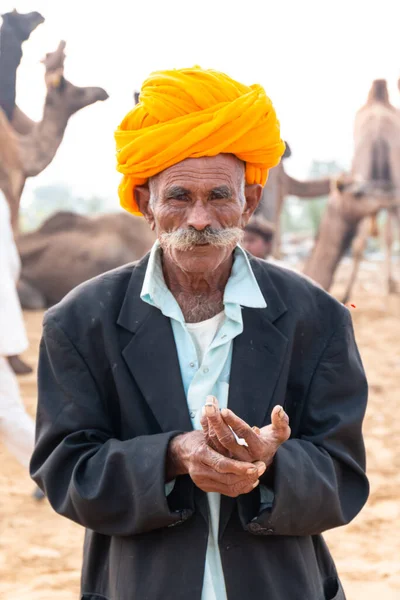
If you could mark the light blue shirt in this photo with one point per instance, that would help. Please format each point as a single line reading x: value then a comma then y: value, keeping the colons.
x: 210, y: 377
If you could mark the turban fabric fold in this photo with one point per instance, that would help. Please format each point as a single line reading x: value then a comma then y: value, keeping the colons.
x: 191, y: 113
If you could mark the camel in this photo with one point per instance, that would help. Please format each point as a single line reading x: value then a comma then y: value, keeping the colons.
x: 14, y: 31
x: 377, y: 159
x: 280, y: 185
x: 26, y: 147
x: 376, y: 171
x: 350, y: 204
x: 69, y: 249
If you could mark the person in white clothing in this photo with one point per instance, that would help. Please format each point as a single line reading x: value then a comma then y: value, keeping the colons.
x: 17, y: 428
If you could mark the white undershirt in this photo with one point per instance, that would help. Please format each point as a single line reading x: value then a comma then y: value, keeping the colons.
x: 204, y: 332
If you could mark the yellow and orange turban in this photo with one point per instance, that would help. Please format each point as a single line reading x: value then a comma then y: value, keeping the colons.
x: 190, y: 113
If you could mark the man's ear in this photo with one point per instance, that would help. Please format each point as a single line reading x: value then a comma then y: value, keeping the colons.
x: 253, y: 195
x: 142, y: 197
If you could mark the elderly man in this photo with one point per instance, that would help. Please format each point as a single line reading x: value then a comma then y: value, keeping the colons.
x: 166, y: 386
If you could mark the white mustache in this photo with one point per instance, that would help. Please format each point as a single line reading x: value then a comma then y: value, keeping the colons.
x: 186, y: 239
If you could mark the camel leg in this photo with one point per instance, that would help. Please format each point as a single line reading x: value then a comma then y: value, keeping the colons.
x: 391, y: 287
x: 30, y: 297
x: 358, y: 248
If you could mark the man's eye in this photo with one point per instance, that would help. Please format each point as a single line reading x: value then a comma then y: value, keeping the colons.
x: 180, y: 198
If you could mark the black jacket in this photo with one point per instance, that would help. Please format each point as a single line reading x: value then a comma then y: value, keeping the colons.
x: 111, y: 398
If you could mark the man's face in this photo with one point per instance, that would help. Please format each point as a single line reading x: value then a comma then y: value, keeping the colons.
x: 256, y: 244
x: 203, y: 198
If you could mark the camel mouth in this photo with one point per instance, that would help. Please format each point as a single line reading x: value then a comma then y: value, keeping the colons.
x: 102, y: 95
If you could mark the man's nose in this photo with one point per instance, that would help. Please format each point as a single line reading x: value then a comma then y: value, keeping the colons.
x: 199, y: 216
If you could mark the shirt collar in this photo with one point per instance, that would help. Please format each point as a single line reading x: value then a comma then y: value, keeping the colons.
x: 241, y: 289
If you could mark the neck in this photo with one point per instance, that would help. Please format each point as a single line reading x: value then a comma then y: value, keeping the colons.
x: 334, y: 237
x: 42, y: 143
x: 199, y: 295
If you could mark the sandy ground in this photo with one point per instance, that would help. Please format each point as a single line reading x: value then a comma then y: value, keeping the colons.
x: 40, y: 552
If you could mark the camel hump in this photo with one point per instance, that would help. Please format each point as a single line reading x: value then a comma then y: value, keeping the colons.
x: 379, y: 93
x: 63, y: 221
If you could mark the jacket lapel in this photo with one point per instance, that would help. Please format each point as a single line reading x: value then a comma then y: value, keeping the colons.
x: 257, y: 362
x: 151, y: 356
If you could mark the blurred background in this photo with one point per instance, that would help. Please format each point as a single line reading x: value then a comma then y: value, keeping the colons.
x: 317, y: 61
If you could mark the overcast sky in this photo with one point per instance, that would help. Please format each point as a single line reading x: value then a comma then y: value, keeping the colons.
x: 315, y: 58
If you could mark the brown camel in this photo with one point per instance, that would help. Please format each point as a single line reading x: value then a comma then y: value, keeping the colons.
x: 69, y: 249
x: 26, y: 147
x: 377, y: 159
x: 350, y: 204
x: 280, y: 185
x: 350, y: 218
x: 16, y: 28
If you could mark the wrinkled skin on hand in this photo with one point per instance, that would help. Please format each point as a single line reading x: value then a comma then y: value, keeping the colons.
x: 210, y: 470
x: 262, y: 444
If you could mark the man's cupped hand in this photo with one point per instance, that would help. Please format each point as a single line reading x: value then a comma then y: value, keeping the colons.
x: 216, y: 461
x: 232, y: 437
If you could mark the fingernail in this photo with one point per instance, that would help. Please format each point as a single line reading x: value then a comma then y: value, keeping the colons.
x: 251, y: 471
x: 256, y: 483
x: 261, y: 469
x: 210, y: 410
x: 211, y: 400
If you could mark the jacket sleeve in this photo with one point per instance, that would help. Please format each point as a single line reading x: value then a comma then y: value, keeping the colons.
x: 318, y: 479
x: 111, y: 486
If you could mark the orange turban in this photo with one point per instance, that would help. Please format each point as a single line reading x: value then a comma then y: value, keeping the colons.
x: 190, y: 113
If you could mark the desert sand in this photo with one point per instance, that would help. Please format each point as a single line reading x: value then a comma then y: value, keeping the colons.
x: 40, y: 552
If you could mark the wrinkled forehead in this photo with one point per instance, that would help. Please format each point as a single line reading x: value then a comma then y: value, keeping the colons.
x: 204, y: 173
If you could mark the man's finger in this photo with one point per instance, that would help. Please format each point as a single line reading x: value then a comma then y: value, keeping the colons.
x: 280, y: 423
x: 222, y: 464
x: 235, y: 490
x: 211, y: 437
x: 204, y: 424
x: 242, y: 429
x: 216, y: 423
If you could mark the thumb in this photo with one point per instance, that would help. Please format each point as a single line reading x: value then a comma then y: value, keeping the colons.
x: 279, y: 419
x: 279, y: 428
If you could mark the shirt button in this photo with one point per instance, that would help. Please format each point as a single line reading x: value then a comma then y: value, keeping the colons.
x: 205, y: 370
x: 192, y: 413
x: 192, y: 364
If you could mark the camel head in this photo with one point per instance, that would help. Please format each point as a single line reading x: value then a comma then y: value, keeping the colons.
x: 379, y: 92
x: 67, y: 98
x: 22, y: 24
x: 359, y: 199
x: 63, y: 97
